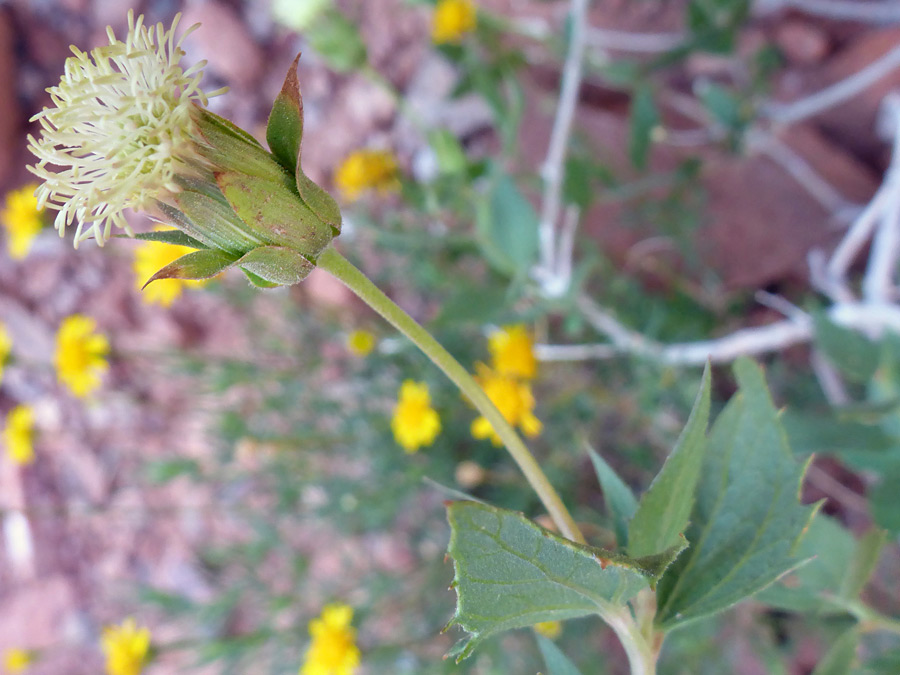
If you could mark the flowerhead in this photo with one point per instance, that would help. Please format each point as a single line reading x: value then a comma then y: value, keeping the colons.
x: 549, y: 629
x: 18, y: 435
x: 5, y: 348
x: 81, y: 353
x: 366, y: 170
x: 415, y: 423
x: 22, y: 219
x: 16, y: 661
x: 360, y: 343
x: 121, y: 128
x: 513, y: 399
x: 126, y: 647
x: 512, y: 352
x: 333, y: 650
x: 452, y: 19
x: 151, y: 256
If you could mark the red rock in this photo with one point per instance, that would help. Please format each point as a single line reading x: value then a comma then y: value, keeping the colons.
x: 224, y: 41
x: 803, y: 43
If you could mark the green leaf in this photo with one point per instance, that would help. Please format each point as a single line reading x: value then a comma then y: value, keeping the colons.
x: 663, y: 513
x: 617, y: 497
x: 197, y: 265
x: 746, y: 521
x: 276, y: 265
x: 883, y: 501
x: 337, y: 40
x: 163, y: 471
x: 864, y: 447
x: 275, y: 213
x: 512, y: 573
x: 507, y: 228
x: 557, y: 662
x: 176, y: 237
x: 284, y: 131
x: 644, y: 119
x: 856, y: 356
x: 862, y: 565
x: 830, y: 549
x: 839, y: 659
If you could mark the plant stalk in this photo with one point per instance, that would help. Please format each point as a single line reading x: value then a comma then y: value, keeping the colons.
x: 341, y: 268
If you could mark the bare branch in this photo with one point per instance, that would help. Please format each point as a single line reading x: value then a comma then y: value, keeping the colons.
x: 788, y: 113
x: 873, y: 11
x: 553, y: 169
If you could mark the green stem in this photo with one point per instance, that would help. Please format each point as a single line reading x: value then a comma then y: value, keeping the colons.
x: 333, y: 262
x: 638, y: 647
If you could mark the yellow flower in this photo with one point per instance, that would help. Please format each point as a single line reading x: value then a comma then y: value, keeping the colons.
x: 22, y: 220
x: 512, y: 352
x: 513, y: 399
x: 16, y: 661
x: 360, y: 343
x: 452, y: 19
x: 5, y: 348
x: 80, y: 355
x: 126, y: 648
x: 549, y: 629
x: 333, y: 650
x: 415, y: 422
x: 150, y: 257
x: 366, y: 170
x: 18, y: 435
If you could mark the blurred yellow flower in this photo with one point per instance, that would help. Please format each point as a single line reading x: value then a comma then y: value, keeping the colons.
x: 549, y: 629
x: 22, y: 220
x: 16, y: 661
x: 512, y: 352
x: 149, y: 258
x: 333, y: 650
x: 18, y: 435
x: 360, y: 343
x: 126, y: 648
x: 415, y: 422
x: 452, y: 19
x: 80, y: 354
x: 366, y: 170
x: 513, y: 399
x: 5, y: 348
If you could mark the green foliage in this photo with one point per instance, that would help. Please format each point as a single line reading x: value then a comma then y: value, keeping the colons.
x: 839, y: 659
x: 746, y: 522
x: 662, y: 516
x: 507, y: 227
x: 512, y: 573
x: 644, y: 119
x: 337, y: 40
x: 618, y: 497
x: 856, y: 356
x: 557, y: 662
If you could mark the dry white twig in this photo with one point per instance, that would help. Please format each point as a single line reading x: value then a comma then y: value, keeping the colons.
x: 871, y: 11
x: 788, y: 113
x: 549, y: 270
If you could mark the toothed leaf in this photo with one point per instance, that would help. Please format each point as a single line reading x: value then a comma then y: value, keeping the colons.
x: 512, y: 573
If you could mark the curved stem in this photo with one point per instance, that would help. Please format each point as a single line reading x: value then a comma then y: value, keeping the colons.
x: 333, y: 262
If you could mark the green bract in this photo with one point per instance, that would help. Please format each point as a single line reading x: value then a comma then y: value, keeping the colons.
x: 254, y: 209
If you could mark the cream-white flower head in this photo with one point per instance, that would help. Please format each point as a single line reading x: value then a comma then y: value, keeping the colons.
x: 120, y: 130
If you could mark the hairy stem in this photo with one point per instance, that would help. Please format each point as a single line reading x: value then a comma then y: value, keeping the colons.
x: 356, y: 281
